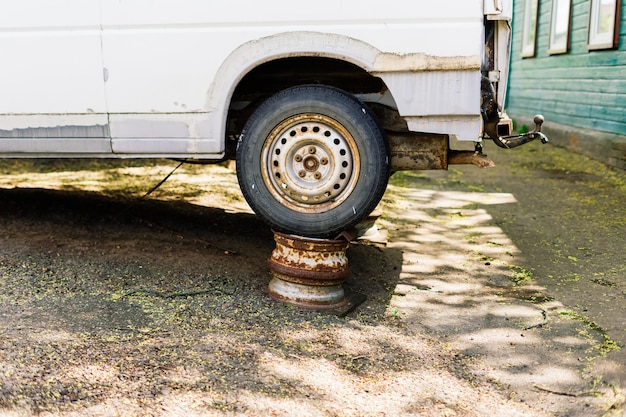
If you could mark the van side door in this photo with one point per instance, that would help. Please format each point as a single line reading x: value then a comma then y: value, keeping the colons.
x: 52, y: 98
x: 160, y: 58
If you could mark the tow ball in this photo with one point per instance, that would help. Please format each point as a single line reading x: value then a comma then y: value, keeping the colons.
x: 514, y: 141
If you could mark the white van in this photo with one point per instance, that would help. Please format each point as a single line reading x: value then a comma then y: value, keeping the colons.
x: 318, y: 102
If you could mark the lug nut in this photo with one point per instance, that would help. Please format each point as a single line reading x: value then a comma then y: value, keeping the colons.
x: 317, y: 175
x: 302, y: 173
x: 324, y: 161
x: 298, y: 158
x: 312, y: 150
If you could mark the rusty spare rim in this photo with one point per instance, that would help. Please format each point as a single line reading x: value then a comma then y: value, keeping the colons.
x: 307, y: 296
x: 310, y: 163
x: 308, y: 260
x: 309, y: 272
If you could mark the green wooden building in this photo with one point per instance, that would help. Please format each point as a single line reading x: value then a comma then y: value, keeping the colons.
x: 569, y: 63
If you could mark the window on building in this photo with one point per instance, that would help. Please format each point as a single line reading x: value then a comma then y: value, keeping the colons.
x: 603, y: 24
x: 559, y: 26
x: 529, y: 30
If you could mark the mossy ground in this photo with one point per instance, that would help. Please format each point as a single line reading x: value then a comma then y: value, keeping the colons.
x: 114, y: 304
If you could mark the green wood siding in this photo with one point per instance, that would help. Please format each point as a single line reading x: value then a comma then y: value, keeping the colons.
x: 581, y: 88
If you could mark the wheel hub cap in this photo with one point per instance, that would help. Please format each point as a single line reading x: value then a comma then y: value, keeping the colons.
x: 310, y: 162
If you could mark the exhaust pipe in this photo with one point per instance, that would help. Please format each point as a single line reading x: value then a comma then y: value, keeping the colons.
x: 412, y: 151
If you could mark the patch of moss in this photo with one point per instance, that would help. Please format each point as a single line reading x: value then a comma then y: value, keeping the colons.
x: 607, y: 345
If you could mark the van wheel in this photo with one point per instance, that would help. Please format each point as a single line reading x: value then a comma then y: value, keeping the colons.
x: 312, y: 161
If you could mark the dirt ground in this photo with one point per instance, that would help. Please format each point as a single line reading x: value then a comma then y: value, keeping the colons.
x: 497, y: 292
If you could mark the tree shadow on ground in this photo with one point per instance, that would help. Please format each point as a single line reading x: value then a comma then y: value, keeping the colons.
x: 111, y: 303
x: 462, y: 281
x: 160, y: 307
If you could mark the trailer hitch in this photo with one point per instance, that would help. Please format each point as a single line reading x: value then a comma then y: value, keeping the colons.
x: 514, y: 141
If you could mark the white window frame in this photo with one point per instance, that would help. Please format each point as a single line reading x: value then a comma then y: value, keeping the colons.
x: 560, y: 27
x: 603, y: 24
x: 529, y: 29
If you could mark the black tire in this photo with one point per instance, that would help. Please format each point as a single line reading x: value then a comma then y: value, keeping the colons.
x: 312, y: 161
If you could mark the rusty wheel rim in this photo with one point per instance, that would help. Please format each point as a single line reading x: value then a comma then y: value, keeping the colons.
x: 310, y: 163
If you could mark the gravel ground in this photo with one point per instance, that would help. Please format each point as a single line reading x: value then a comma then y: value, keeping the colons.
x: 115, y: 305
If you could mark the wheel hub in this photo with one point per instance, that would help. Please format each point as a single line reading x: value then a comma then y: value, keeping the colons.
x: 310, y: 162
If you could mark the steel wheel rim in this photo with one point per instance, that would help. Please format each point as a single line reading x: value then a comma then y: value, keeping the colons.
x: 310, y: 163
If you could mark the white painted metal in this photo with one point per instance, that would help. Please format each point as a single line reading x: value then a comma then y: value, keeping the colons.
x: 51, y: 58
x: 155, y: 77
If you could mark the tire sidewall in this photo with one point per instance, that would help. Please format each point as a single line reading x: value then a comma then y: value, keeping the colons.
x: 370, y: 145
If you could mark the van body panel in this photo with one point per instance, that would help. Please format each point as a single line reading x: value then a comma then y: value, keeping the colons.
x: 156, y: 77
